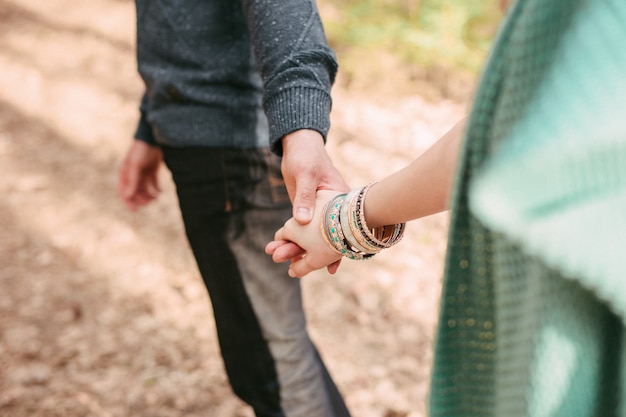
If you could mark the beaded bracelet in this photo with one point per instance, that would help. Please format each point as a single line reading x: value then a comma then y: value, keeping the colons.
x: 344, y: 229
x: 333, y: 233
x: 327, y: 224
x: 356, y: 223
x: 355, y: 240
x: 383, y: 236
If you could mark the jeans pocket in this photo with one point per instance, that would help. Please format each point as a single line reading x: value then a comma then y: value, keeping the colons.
x: 278, y: 189
x: 269, y: 190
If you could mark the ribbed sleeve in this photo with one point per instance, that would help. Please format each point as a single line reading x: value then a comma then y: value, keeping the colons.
x: 144, y: 129
x: 297, y: 108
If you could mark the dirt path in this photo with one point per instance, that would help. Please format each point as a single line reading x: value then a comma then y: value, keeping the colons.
x: 102, y: 312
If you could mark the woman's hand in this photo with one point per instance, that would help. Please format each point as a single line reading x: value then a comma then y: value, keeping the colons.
x: 304, y: 245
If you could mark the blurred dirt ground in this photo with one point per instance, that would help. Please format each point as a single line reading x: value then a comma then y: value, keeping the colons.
x: 102, y: 311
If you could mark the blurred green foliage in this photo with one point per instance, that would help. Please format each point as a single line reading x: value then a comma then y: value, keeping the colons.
x: 450, y: 35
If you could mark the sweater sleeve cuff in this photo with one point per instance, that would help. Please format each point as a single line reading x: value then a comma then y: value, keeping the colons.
x: 294, y: 109
x: 144, y: 131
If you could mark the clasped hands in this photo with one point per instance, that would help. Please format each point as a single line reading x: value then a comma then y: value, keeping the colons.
x: 304, y: 245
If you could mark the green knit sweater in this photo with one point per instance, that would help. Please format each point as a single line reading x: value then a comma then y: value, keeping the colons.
x: 534, y: 301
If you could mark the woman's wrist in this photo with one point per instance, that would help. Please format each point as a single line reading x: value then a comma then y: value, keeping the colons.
x: 344, y: 227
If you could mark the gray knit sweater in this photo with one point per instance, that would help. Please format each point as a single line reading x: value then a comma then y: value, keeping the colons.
x: 228, y: 73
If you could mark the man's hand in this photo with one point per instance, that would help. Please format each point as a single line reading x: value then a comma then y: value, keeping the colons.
x: 307, y: 168
x: 138, y: 176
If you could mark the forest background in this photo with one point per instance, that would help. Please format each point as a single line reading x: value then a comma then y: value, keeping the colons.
x: 102, y: 311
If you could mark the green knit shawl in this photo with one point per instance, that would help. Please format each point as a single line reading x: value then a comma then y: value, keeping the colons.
x: 534, y: 299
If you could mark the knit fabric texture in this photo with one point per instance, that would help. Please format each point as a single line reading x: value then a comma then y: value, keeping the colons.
x: 534, y: 302
x: 227, y: 73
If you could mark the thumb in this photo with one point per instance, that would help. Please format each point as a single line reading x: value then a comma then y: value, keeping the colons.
x: 304, y: 200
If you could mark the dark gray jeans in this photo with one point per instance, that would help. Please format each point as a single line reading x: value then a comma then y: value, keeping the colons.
x: 232, y: 201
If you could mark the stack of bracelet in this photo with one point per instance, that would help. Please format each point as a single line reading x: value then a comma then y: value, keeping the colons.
x: 344, y: 228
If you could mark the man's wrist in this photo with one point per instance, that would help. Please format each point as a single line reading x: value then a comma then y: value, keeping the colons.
x: 296, y: 139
